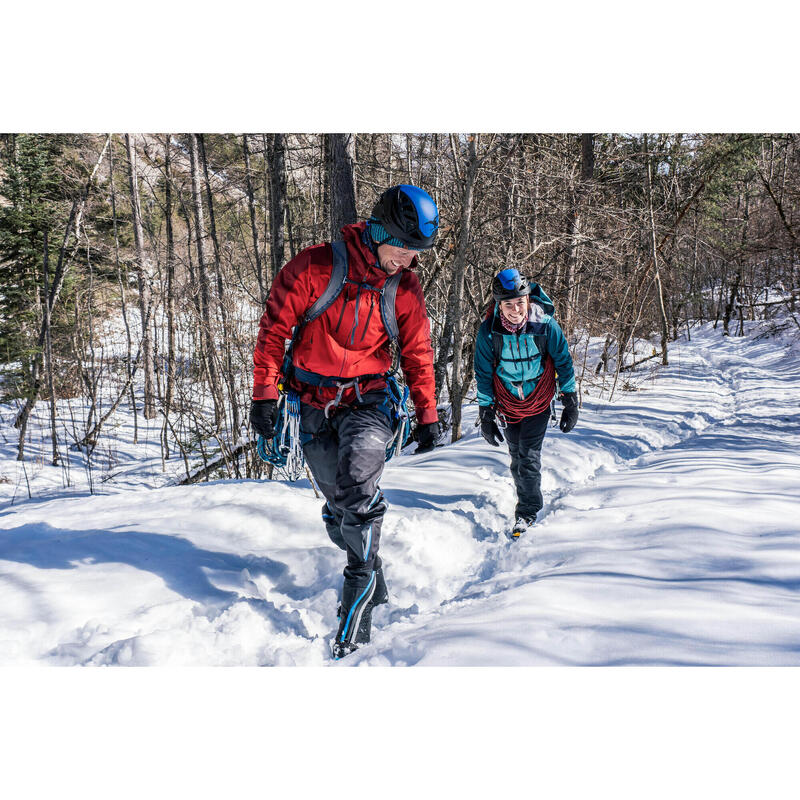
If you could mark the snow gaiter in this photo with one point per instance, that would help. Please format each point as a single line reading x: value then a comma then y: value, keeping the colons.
x: 355, y: 617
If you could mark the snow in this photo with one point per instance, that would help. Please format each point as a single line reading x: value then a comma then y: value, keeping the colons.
x: 669, y: 537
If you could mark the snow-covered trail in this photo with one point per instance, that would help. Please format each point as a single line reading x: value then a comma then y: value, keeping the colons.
x: 670, y: 536
x: 684, y: 555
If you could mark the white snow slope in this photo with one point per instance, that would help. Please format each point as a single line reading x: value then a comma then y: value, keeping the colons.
x: 670, y: 536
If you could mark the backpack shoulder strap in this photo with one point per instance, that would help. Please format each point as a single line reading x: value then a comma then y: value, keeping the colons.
x: 540, y: 338
x: 388, y: 295
x: 497, y: 346
x: 335, y: 284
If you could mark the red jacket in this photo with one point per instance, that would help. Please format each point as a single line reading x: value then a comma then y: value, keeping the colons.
x: 340, y: 342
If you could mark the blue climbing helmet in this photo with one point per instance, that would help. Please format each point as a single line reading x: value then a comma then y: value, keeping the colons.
x: 508, y: 284
x: 404, y: 216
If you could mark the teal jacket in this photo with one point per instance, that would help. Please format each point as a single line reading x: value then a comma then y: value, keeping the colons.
x: 520, y: 362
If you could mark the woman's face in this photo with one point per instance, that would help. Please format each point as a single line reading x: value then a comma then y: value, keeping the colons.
x: 515, y: 310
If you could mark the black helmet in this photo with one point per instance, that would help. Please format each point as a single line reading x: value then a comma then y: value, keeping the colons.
x: 405, y: 216
x: 508, y: 284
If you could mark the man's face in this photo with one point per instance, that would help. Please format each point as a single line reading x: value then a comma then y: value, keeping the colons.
x: 394, y: 258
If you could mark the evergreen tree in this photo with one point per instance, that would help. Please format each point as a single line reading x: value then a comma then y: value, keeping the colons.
x: 30, y: 197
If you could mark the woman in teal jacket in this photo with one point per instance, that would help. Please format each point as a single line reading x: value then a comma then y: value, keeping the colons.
x: 520, y: 355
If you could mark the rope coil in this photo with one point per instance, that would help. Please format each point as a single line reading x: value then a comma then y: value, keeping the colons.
x: 515, y: 410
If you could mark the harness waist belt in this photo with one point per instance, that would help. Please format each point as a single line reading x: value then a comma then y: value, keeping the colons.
x: 315, y: 379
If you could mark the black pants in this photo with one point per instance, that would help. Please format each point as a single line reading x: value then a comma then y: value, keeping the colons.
x: 346, y: 455
x: 525, y: 445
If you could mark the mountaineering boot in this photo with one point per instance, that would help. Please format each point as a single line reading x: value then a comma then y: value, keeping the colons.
x: 379, y: 597
x: 355, y: 616
x: 520, y: 526
x: 341, y: 649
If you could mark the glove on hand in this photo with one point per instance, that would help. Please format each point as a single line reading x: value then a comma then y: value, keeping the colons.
x: 427, y: 434
x: 263, y: 416
x: 489, y: 428
x: 569, y: 416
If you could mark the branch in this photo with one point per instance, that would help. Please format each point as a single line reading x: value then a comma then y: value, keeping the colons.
x: 222, y: 460
x: 640, y: 361
x: 780, y: 210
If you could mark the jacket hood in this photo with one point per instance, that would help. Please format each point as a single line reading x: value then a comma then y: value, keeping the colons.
x: 538, y: 296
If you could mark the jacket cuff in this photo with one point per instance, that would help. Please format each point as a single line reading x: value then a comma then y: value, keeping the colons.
x: 427, y: 415
x: 265, y: 392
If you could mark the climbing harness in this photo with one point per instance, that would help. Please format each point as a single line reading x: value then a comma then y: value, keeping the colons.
x: 285, y: 449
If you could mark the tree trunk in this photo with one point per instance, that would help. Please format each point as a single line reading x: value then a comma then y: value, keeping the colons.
x: 656, y: 274
x: 733, y: 298
x: 509, y: 198
x: 455, y: 322
x: 49, y: 353
x: 251, y: 207
x: 277, y: 202
x: 170, y: 382
x: 573, y: 222
x: 143, y: 276
x: 587, y: 156
x: 205, y: 292
x: 122, y: 280
x: 341, y: 181
x: 226, y: 330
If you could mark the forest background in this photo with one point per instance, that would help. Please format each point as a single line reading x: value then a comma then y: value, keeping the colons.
x: 135, y: 267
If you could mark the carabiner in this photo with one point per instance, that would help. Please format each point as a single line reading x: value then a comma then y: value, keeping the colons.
x: 332, y: 404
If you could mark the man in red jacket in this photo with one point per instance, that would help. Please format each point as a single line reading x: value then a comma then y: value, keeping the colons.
x: 339, y: 362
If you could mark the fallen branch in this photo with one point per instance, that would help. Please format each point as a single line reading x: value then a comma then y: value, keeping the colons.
x: 771, y: 302
x: 221, y: 461
x: 636, y: 363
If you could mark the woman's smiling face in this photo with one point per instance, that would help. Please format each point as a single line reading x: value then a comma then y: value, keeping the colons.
x: 515, y: 310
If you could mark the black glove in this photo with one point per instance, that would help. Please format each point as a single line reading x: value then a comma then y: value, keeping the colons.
x: 263, y: 416
x: 427, y: 434
x: 569, y: 416
x: 489, y: 427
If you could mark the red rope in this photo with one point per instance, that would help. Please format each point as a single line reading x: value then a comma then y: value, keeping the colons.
x: 539, y: 399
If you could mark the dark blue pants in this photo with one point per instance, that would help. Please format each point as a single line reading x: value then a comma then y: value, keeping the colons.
x: 525, y: 445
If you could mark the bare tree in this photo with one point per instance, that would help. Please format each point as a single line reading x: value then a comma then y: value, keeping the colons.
x: 206, y: 332
x: 277, y: 201
x: 654, y: 252
x: 341, y: 180
x: 454, y: 326
x: 143, y: 270
x: 251, y: 208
